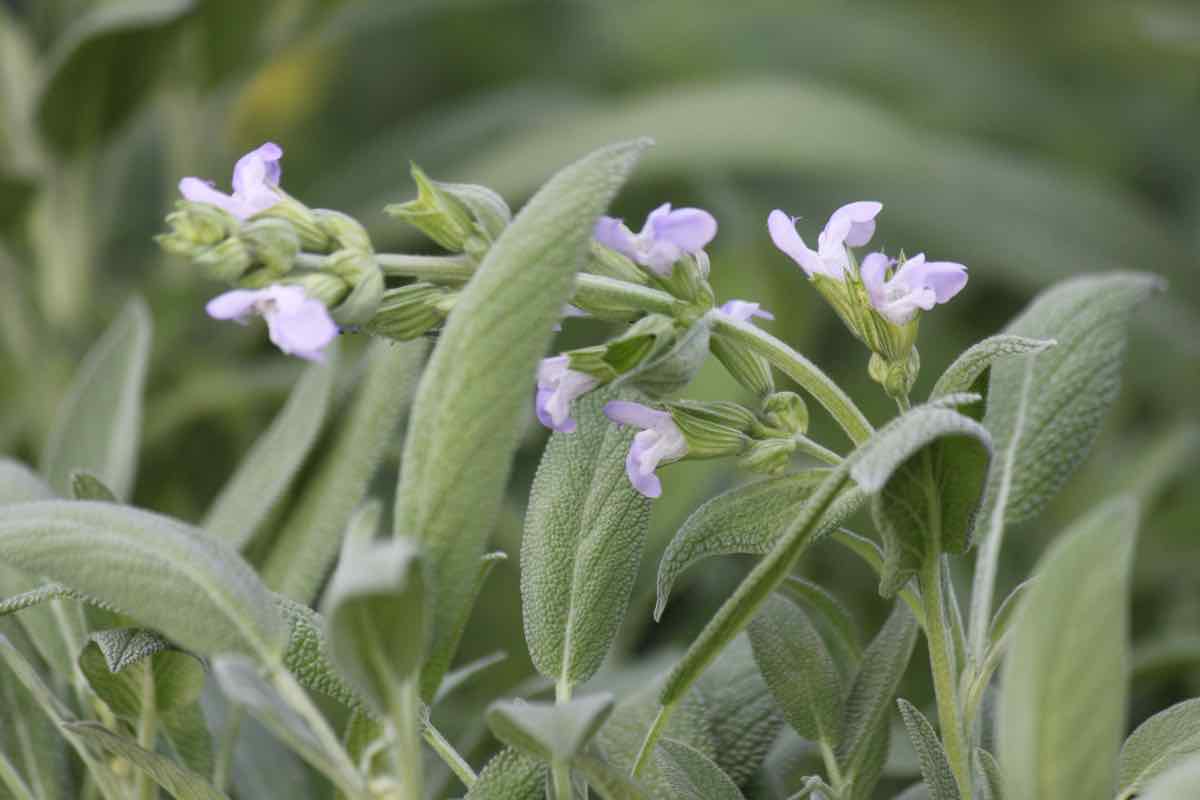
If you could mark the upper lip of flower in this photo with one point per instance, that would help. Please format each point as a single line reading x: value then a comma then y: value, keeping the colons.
x: 917, y: 284
x: 664, y: 238
x: 852, y: 225
x: 255, y: 180
x: 297, y: 324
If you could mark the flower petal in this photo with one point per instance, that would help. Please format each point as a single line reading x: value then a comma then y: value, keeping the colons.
x: 783, y: 233
x: 689, y: 229
x: 624, y: 412
x: 201, y: 191
x: 873, y: 271
x: 945, y: 278
x: 236, y: 305
x: 647, y: 484
x: 743, y: 310
x: 615, y: 235
x: 854, y: 223
x: 302, y: 331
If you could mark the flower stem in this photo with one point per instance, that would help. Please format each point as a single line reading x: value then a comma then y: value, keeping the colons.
x: 945, y: 679
x: 446, y: 751
x: 147, y: 733
x: 656, y: 730
x: 432, y: 268
x: 406, y: 719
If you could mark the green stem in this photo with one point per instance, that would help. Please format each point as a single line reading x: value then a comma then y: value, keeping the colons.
x: 406, y: 717
x: 344, y: 774
x: 147, y: 732
x: 941, y: 662
x: 831, y: 768
x: 223, y: 765
x: 560, y: 771
x: 429, y: 268
x: 446, y: 751
x: 809, y: 447
x: 656, y: 730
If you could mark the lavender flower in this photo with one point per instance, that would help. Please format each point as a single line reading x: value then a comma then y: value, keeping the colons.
x: 917, y: 285
x: 255, y: 180
x: 660, y: 441
x: 663, y: 240
x: 852, y: 225
x: 744, y: 310
x: 557, y: 386
x: 298, y: 324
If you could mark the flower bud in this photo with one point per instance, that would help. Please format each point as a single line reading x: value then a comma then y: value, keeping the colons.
x: 705, y: 433
x: 896, y: 377
x: 674, y: 360
x: 195, y: 226
x: 721, y: 412
x: 329, y: 289
x: 409, y: 311
x: 786, y: 412
x: 273, y: 244
x: 359, y: 270
x: 769, y: 456
x: 748, y: 368
x: 436, y: 212
x: 303, y: 220
x: 611, y: 264
x: 227, y: 261
x: 491, y: 215
x: 688, y: 280
x: 343, y: 229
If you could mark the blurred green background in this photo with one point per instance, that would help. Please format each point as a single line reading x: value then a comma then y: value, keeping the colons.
x: 1030, y: 140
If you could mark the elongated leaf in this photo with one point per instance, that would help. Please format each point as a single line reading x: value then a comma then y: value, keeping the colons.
x: 1168, y: 738
x: 1062, y: 709
x: 965, y: 374
x: 476, y: 390
x: 584, y: 533
x: 692, y: 775
x: 116, y: 44
x: 748, y: 519
x: 827, y: 611
x: 186, y: 730
x: 19, y: 77
x: 799, y: 670
x: 180, y: 782
x: 1182, y: 782
x: 86, y: 486
x: 19, y: 484
x: 551, y: 732
x: 166, y: 575
x: 935, y: 768
x: 98, y: 425
x: 466, y: 674
x: 510, y: 775
x: 119, y: 665
x: 268, y: 469
x: 609, y: 781
x: 988, y: 776
x: 30, y: 739
x: 310, y: 538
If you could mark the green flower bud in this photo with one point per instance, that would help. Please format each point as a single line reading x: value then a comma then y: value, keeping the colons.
x: 359, y: 270
x: 197, y: 225
x: 490, y: 213
x: 896, y: 377
x: 704, y: 428
x: 409, y: 311
x: 748, y: 368
x: 344, y: 229
x: 273, y: 243
x: 327, y: 288
x: 689, y: 280
x: 611, y: 264
x: 786, y: 412
x: 769, y: 456
x: 303, y: 220
x: 436, y: 212
x: 227, y: 261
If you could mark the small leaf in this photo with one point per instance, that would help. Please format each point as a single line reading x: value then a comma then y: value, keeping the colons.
x: 1062, y: 708
x: 1166, y: 739
x: 609, y: 781
x: 1002, y: 622
x: 510, y: 775
x: 86, y: 486
x: 833, y: 617
x: 799, y: 670
x: 265, y: 473
x: 988, y: 777
x: 477, y: 389
x: 377, y: 617
x: 551, y: 732
x: 307, y: 656
x: 97, y: 427
x: 584, y: 532
x: 464, y: 675
x: 692, y: 775
x: 116, y: 664
x: 179, y: 782
x: 1181, y: 782
x: 965, y: 373
x: 935, y: 768
x: 748, y: 519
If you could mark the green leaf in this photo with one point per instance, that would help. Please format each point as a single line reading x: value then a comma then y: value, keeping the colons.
x: 98, y: 425
x: 551, y: 732
x: 1166, y: 739
x: 186, y: 729
x: 30, y: 739
x: 307, y: 655
x: 830, y: 614
x: 86, y: 486
x: 799, y: 670
x: 179, y: 782
x: 19, y: 78
x: 1062, y: 708
x: 377, y: 617
x: 988, y: 778
x: 19, y: 484
x: 265, y: 473
x: 584, y: 532
x: 692, y: 775
x: 166, y: 575
x: 1181, y: 782
x: 475, y: 393
x: 747, y: 519
x: 965, y: 374
x: 935, y: 768
x: 464, y: 675
x: 310, y: 537
x: 869, y: 703
x: 120, y: 664
x: 124, y: 43
x: 609, y: 781
x: 510, y: 775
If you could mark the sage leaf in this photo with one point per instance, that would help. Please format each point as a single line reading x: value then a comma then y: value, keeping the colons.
x: 609, y: 781
x: 747, y: 519
x: 967, y: 371
x: 178, y: 781
x: 476, y: 390
x: 20, y: 484
x: 463, y: 676
x: 31, y: 740
x: 376, y: 607
x: 186, y: 730
x: 935, y: 767
x: 550, y: 732
x: 1062, y: 707
x: 265, y: 473
x: 798, y: 669
x: 120, y: 664
x: 97, y: 427
x: 510, y: 775
x: 86, y: 486
x: 833, y: 617
x: 1181, y: 782
x: 1166, y: 739
x: 692, y: 775
x: 166, y: 575
x: 584, y: 533
x: 988, y: 777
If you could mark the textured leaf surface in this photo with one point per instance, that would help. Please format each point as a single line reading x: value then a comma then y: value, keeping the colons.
x: 609, y: 781
x: 30, y: 740
x: 97, y: 428
x: 265, y: 473
x: 477, y: 389
x: 551, y: 732
x: 19, y: 484
x: 935, y: 768
x: 584, y: 533
x: 692, y: 775
x: 166, y: 575
x: 1062, y: 708
x: 1180, y: 783
x: 119, y: 664
x: 180, y: 782
x: 510, y: 776
x: 988, y: 776
x: 965, y: 373
x: 1166, y: 739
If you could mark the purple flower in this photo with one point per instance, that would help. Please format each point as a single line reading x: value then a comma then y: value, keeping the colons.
x: 663, y: 240
x: 660, y: 441
x: 743, y: 311
x: 557, y: 386
x: 298, y: 324
x: 852, y: 225
x: 918, y: 284
x: 255, y: 180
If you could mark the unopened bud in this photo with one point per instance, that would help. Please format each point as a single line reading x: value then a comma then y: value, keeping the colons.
x: 273, y: 243
x: 706, y: 437
x: 409, y: 311
x: 769, y: 456
x: 329, y: 289
x: 611, y: 264
x: 435, y: 212
x: 786, y: 412
x: 748, y: 368
x: 227, y: 261
x: 344, y: 229
x: 722, y: 412
x: 359, y: 270
x: 689, y: 280
x: 197, y: 225
x: 896, y: 377
x: 303, y: 220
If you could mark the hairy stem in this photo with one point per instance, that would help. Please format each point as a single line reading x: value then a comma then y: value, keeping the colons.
x: 945, y: 679
x: 406, y: 718
x: 223, y: 764
x: 446, y: 751
x: 656, y: 729
x: 147, y: 732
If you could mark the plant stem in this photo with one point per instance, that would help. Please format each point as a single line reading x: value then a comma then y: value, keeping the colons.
x: 446, y: 751
x: 223, y: 765
x: 344, y: 774
x: 435, y: 268
x: 147, y: 730
x: 656, y: 730
x: 407, y: 721
x: 941, y: 662
x: 831, y: 768
x: 561, y: 771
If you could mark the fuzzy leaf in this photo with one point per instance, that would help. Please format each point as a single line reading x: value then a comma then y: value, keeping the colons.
x: 830, y: 614
x: 1062, y: 708
x: 20, y: 484
x: 935, y: 768
x: 116, y: 664
x: 692, y: 775
x: 265, y: 473
x: 799, y: 670
x: 608, y: 781
x: 477, y: 389
x: 97, y: 427
x: 510, y: 775
x: 965, y: 374
x: 551, y: 732
x: 584, y: 532
x: 32, y: 741
x: 180, y: 782
x: 988, y: 777
x: 1166, y: 739
x: 1181, y: 782
x: 86, y: 486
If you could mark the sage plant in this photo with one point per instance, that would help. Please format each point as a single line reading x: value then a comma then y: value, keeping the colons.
x: 164, y: 640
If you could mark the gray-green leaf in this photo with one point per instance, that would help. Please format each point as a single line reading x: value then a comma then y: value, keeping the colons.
x: 510, y: 775
x: 97, y: 428
x: 988, y: 776
x: 935, y: 768
x: 1062, y: 708
x: 476, y: 390
x: 1158, y: 744
x: 121, y: 664
x: 610, y: 781
x: 965, y: 373
x: 551, y: 732
x: 692, y: 775
x: 20, y: 484
x: 584, y: 533
x: 1182, y: 782
x: 180, y: 782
